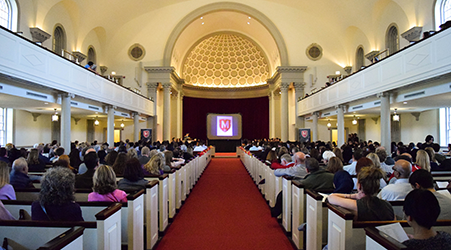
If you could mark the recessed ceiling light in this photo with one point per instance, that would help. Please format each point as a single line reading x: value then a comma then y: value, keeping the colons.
x: 249, y: 17
x: 404, y: 103
x: 248, y: 23
x: 201, y: 17
x: 46, y: 103
x: 202, y: 23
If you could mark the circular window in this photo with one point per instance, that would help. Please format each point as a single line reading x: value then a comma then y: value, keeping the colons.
x: 314, y: 52
x: 136, y: 52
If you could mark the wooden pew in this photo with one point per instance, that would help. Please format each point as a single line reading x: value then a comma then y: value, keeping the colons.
x: 71, y: 239
x: 32, y: 194
x: 163, y: 199
x: 132, y: 216
x: 102, y: 233
x: 151, y: 216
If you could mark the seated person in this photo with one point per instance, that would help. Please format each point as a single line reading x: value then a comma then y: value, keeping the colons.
x: 133, y: 177
x: 56, y: 198
x: 91, y: 161
x: 4, y: 213
x: 317, y: 179
x: 34, y: 162
x: 342, y: 179
x: 19, y: 175
x: 285, y: 162
x: 6, y: 190
x: 171, y: 162
x: 365, y: 204
x: 422, y: 179
x: 422, y: 210
x: 155, y: 165
x: 298, y: 170
x: 105, y: 187
x: 401, y: 187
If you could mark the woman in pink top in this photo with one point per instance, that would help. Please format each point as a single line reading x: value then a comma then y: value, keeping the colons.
x: 105, y: 187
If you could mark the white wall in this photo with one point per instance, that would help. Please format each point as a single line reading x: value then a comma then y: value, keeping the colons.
x: 416, y: 131
x: 373, y: 130
x: 28, y: 132
x: 79, y: 131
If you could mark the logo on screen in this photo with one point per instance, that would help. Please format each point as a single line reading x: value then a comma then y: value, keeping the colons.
x: 225, y: 124
x: 304, y: 133
x: 146, y: 133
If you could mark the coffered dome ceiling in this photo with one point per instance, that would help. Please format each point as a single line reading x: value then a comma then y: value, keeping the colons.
x: 225, y: 60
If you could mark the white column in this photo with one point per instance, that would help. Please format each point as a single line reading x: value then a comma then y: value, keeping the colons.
x: 272, y: 122
x: 65, y: 121
x: 179, y: 114
x: 136, y: 127
x: 284, y: 111
x: 167, y: 112
x: 315, y: 126
x: 110, y: 126
x: 385, y: 120
x: 341, y: 125
x: 152, y: 88
x: 299, y: 93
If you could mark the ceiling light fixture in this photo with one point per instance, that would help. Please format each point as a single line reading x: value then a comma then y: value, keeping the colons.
x: 122, y: 124
x: 55, y: 117
x: 248, y: 23
x: 354, y: 122
x: 328, y: 123
x: 96, y: 122
x: 395, y: 116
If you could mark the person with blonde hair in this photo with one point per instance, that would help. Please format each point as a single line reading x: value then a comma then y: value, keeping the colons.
x: 132, y: 153
x: 365, y: 205
x: 34, y: 162
x: 105, y: 187
x: 423, y: 161
x: 6, y: 190
x: 155, y: 165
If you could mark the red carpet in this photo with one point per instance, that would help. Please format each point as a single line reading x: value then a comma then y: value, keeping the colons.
x: 225, y: 210
x: 222, y: 154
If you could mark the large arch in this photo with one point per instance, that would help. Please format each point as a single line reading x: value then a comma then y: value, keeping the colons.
x: 220, y: 7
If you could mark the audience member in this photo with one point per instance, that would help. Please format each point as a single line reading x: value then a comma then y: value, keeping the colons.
x: 298, y: 170
x: 34, y: 162
x: 422, y: 161
x: 422, y: 179
x: 4, y: 213
x: 382, y: 154
x: 401, y: 187
x: 4, y: 155
x: 339, y: 154
x: 155, y: 165
x: 365, y: 204
x: 342, y: 179
x: 6, y: 190
x: 144, y: 158
x: 133, y: 177
x: 105, y: 187
x: 56, y: 198
x: 111, y: 158
x: 85, y: 180
x: 19, y: 175
x: 317, y: 179
x: 422, y: 210
x: 358, y: 153
x: 285, y: 162
x: 119, y: 164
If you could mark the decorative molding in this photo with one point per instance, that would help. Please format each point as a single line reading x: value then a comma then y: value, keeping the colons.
x: 416, y: 115
x: 370, y: 56
x: 35, y: 116
x: 167, y: 86
x: 299, y: 86
x: 383, y: 94
x: 76, y: 120
x: 284, y: 86
x: 103, y: 69
x: 80, y: 56
x: 285, y: 69
x: 348, y: 69
x: 154, y: 69
x: 413, y: 34
x: 375, y: 119
x: 222, y: 93
x: 319, y: 50
x: 38, y: 35
x: 152, y: 85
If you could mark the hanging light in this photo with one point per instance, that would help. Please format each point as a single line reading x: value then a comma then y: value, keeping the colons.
x: 55, y: 117
x: 96, y: 122
x: 328, y: 123
x: 354, y: 122
x: 396, y: 117
x: 122, y: 124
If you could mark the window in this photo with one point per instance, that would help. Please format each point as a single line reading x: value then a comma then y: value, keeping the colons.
x: 8, y: 14
x: 359, y: 59
x: 392, y: 40
x: 2, y: 127
x: 59, y: 40
x: 445, y: 126
x: 442, y: 12
x: 92, y: 55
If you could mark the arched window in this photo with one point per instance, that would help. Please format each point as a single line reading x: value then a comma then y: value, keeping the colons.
x: 92, y: 55
x: 8, y: 14
x: 359, y: 59
x: 392, y: 40
x: 442, y: 12
x: 59, y: 40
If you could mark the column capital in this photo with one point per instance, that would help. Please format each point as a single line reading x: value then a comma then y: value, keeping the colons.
x: 152, y: 85
x: 299, y: 86
x: 64, y: 94
x: 284, y: 86
x: 316, y: 113
x: 166, y: 86
x: 341, y: 106
x: 383, y: 94
x: 109, y: 107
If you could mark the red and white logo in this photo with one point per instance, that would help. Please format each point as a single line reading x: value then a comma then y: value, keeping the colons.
x: 304, y: 133
x: 146, y: 133
x: 225, y: 124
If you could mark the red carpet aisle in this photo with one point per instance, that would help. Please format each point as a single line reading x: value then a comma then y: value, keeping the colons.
x: 225, y: 210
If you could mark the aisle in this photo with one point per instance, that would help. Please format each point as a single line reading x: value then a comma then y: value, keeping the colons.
x: 225, y: 210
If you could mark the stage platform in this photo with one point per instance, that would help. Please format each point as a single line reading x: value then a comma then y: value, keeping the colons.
x: 225, y: 155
